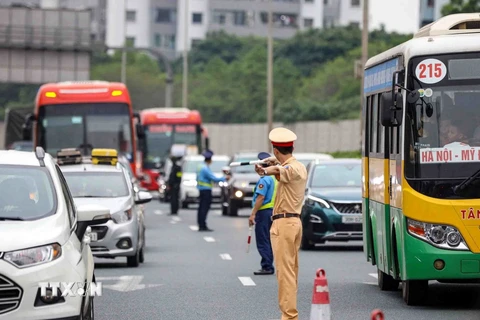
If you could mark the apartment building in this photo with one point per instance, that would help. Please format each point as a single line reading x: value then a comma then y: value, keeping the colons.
x: 430, y: 10
x: 97, y: 7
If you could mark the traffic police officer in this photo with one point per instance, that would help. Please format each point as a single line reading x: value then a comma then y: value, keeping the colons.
x: 175, y: 178
x: 286, y: 231
x: 205, y: 180
x: 262, y: 204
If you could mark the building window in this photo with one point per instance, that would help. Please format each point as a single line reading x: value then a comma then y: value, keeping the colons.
x: 158, y: 40
x: 325, y: 2
x: 195, y: 42
x: 355, y: 3
x: 239, y: 18
x: 170, y: 42
x: 430, y: 3
x: 165, y: 15
x: 425, y: 22
x: 131, y: 15
x: 355, y: 24
x: 197, y: 18
x: 280, y: 19
x: 130, y: 42
x: 219, y: 16
x: 308, y: 23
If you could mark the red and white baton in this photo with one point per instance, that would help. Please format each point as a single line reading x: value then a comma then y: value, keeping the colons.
x: 249, y: 238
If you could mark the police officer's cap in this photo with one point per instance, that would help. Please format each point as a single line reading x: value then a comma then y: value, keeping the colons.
x: 208, y: 154
x: 282, y: 137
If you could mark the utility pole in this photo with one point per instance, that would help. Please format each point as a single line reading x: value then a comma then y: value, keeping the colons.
x: 124, y: 51
x: 364, y: 61
x: 185, y: 59
x: 270, y: 68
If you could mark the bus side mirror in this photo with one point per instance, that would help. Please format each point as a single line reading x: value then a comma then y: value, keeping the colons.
x: 140, y: 131
x: 27, y: 127
x: 207, y: 143
x: 391, y: 111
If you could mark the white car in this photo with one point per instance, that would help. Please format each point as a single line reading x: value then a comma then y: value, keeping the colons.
x: 108, y: 184
x: 44, y: 239
x: 306, y: 158
x: 192, y: 164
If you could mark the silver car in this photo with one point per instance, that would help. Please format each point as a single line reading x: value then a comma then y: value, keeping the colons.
x: 111, y: 186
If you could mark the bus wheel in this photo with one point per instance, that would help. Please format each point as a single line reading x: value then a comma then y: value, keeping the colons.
x: 386, y: 282
x: 414, y: 292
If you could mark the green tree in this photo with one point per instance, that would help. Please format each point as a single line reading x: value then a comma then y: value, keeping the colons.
x: 461, y: 6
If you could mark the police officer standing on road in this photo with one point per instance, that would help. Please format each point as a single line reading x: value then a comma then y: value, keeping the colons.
x: 286, y: 231
x: 262, y: 207
x: 205, y: 180
x: 175, y: 178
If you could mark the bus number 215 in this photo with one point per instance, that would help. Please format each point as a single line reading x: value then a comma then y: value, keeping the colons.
x: 434, y: 70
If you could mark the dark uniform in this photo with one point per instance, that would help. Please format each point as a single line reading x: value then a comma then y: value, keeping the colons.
x: 174, y: 182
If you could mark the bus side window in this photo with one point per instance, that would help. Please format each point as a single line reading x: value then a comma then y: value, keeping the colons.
x: 380, y: 128
x: 373, y: 116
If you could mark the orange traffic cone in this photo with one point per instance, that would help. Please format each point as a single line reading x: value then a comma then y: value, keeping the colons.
x: 377, y: 314
x: 321, y: 298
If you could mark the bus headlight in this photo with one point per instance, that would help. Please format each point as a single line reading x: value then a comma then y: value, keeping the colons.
x: 438, y: 235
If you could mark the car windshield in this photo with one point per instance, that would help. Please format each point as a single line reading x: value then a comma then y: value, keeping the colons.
x: 193, y: 166
x: 26, y: 193
x: 337, y: 175
x: 244, y: 169
x: 96, y: 184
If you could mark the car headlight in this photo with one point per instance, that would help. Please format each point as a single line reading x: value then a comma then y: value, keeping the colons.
x: 438, y: 235
x: 242, y: 184
x: 312, y: 200
x: 223, y: 184
x: 122, y: 217
x: 33, y: 256
x: 190, y: 183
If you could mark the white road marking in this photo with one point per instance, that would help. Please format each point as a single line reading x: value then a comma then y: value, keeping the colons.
x: 218, y: 212
x: 246, y: 281
x: 373, y: 275
x: 173, y: 221
x: 178, y: 219
x: 126, y: 283
x: 159, y: 212
x: 209, y: 239
x: 371, y: 283
x: 194, y: 228
x: 225, y: 256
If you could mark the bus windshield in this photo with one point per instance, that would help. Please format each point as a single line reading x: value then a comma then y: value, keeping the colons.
x: 443, y: 126
x: 159, y: 139
x: 85, y: 126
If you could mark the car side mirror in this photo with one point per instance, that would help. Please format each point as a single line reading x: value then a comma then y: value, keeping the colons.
x: 93, y: 214
x: 143, y: 197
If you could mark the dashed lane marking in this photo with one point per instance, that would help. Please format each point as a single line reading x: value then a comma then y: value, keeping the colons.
x: 173, y: 221
x: 178, y: 219
x: 159, y: 212
x: 370, y: 283
x: 225, y: 256
x: 209, y: 239
x: 373, y: 275
x: 247, y: 281
x: 194, y: 228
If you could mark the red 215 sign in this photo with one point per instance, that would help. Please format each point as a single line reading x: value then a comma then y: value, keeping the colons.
x: 431, y: 71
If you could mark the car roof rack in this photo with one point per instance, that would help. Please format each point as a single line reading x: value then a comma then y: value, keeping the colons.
x: 40, y: 154
x: 69, y: 156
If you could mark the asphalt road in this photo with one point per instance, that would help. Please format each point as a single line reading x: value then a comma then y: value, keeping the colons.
x: 196, y: 275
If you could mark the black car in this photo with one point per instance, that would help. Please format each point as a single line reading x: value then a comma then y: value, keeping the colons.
x: 333, y: 202
x: 237, y: 193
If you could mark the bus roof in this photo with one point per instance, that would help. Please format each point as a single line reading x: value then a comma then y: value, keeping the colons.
x: 450, y: 34
x: 170, y: 116
x: 69, y: 92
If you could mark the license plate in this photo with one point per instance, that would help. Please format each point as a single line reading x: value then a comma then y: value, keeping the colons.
x: 93, y: 236
x: 352, y: 219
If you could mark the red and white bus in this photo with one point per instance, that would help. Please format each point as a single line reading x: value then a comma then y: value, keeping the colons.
x: 86, y: 115
x: 164, y: 127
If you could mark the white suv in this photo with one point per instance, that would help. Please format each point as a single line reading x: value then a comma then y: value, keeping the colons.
x: 44, y: 239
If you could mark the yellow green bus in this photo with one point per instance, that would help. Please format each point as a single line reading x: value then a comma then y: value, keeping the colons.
x: 421, y: 158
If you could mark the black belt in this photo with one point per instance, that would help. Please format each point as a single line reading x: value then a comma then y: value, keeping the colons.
x: 285, y: 215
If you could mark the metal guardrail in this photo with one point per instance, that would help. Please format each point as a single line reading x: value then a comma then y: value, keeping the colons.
x: 43, y: 37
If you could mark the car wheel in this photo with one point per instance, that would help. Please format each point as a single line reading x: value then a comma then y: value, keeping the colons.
x: 233, y: 208
x: 306, y: 244
x: 184, y: 205
x: 141, y: 257
x: 224, y: 210
x: 134, y: 261
x: 414, y: 292
x: 386, y: 282
x: 90, y: 313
